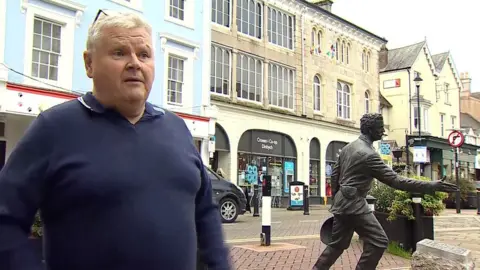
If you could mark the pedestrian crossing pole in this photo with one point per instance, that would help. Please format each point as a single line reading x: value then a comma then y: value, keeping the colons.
x: 265, y: 236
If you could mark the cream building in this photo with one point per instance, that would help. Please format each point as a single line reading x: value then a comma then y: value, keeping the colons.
x: 439, y: 114
x: 291, y: 81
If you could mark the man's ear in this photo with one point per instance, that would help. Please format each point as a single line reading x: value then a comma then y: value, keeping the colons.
x: 87, y: 59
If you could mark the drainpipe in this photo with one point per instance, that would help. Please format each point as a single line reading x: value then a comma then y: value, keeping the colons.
x: 407, y: 151
x: 303, y: 63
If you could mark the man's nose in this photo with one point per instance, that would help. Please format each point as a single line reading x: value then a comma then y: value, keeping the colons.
x: 134, y: 62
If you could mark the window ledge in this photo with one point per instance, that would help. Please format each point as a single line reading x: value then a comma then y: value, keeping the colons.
x: 135, y: 5
x: 179, y: 22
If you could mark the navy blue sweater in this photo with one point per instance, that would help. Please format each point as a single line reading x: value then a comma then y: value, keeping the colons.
x: 112, y: 195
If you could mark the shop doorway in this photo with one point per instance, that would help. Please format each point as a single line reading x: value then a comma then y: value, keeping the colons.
x: 221, y: 156
x: 333, y: 151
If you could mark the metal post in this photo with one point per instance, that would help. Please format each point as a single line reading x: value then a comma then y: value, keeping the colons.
x: 478, y: 202
x: 407, y: 151
x: 418, y: 224
x: 255, y: 200
x: 306, y: 201
x: 457, y: 193
x: 265, y: 236
x: 419, y: 124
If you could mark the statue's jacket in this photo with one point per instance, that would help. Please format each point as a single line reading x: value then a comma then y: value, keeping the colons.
x: 352, y: 176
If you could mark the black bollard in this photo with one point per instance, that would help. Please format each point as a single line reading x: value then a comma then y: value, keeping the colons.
x: 306, y: 201
x: 255, y: 201
x: 418, y: 223
x: 478, y: 202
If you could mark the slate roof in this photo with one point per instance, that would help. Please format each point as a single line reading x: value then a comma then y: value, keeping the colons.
x: 404, y: 57
x: 467, y: 121
x: 475, y: 95
x: 439, y: 60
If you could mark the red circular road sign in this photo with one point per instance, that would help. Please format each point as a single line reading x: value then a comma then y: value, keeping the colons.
x: 456, y: 138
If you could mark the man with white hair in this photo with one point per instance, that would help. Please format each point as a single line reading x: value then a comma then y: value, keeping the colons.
x: 119, y: 183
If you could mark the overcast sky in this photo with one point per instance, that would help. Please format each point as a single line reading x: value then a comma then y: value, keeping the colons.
x: 448, y: 25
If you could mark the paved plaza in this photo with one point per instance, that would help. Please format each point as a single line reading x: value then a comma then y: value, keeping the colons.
x: 296, y: 243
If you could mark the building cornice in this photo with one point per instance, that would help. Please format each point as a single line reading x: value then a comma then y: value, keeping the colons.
x: 453, y: 68
x: 331, y: 22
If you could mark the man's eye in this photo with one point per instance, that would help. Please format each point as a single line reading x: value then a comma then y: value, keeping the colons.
x: 118, y: 53
x: 144, y: 55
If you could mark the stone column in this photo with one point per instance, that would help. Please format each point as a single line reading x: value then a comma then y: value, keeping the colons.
x: 233, y: 81
x: 265, y: 83
x: 233, y: 18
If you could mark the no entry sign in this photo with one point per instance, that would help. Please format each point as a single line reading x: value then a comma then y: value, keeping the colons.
x: 456, y: 139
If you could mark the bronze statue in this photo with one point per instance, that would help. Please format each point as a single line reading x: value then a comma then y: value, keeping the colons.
x: 352, y: 176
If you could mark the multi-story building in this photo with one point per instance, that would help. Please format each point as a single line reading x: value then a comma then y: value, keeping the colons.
x: 290, y: 81
x: 41, y: 61
x: 425, y: 119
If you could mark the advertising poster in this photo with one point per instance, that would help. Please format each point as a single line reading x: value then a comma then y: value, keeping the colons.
x: 296, y: 195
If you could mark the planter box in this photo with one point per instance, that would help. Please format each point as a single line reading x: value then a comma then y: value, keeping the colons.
x: 400, y: 230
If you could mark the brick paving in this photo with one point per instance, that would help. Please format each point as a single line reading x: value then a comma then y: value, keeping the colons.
x: 305, y: 258
x: 289, y: 227
x: 294, y: 228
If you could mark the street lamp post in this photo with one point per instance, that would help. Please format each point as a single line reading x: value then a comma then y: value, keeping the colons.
x: 417, y: 81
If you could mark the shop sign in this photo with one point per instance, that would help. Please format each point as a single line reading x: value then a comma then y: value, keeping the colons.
x: 25, y: 103
x: 477, y: 162
x: 296, y: 195
x: 420, y: 154
x: 267, y: 143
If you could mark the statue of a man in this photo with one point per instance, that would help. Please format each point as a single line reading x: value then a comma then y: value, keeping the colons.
x: 352, y: 176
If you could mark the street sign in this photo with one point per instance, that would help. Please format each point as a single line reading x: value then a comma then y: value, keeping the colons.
x: 456, y: 139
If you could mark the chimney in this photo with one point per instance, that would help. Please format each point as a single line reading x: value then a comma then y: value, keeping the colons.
x: 325, y: 4
x: 466, y: 81
x: 383, y: 57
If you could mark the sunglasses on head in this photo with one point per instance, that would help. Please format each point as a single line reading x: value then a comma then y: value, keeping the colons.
x: 100, y: 11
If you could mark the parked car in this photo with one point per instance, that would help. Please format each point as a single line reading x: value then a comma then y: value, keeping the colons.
x: 230, y: 198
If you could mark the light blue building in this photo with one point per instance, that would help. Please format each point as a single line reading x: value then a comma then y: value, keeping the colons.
x: 41, y: 62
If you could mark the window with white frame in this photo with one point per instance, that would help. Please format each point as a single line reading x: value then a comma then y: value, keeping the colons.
x: 317, y: 93
x: 366, y: 60
x: 49, y: 47
x: 280, y: 28
x: 249, y: 17
x: 367, y: 101
x: 447, y: 96
x: 220, y: 70
x: 337, y: 49
x: 176, y: 81
x: 452, y: 120
x: 316, y: 41
x: 181, y: 12
x: 249, y: 78
x: 281, y: 86
x: 442, y: 125
x: 177, y: 9
x: 343, y: 100
x: 46, y: 52
x: 221, y: 12
x: 423, y: 119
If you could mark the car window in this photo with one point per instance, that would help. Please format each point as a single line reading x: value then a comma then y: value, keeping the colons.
x: 211, y: 175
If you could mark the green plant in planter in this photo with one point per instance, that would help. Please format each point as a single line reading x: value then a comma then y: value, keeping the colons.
x: 465, y: 185
x: 398, y: 202
x: 37, y: 227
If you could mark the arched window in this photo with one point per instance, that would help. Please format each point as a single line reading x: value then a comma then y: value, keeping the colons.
x: 344, y: 52
x: 337, y: 49
x: 348, y: 54
x: 319, y: 42
x: 317, y: 93
x: 314, y: 34
x: 367, y: 101
x: 343, y: 100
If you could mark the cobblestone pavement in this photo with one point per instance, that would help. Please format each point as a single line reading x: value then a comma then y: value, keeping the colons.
x: 290, y: 228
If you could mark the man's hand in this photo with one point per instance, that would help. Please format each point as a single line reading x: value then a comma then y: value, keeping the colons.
x: 444, y: 186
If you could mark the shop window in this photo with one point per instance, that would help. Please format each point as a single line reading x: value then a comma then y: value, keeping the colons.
x: 333, y: 152
x: 314, y: 177
x: 266, y: 153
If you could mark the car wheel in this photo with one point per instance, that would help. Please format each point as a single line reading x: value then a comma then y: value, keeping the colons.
x: 228, y: 210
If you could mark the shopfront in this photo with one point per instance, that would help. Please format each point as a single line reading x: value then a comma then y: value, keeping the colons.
x: 262, y: 152
x: 314, y: 168
x: 333, y: 151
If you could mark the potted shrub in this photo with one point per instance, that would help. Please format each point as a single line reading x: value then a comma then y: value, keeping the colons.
x: 467, y: 194
x: 36, y: 234
x: 394, y: 211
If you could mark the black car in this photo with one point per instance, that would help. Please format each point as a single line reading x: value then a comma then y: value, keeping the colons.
x: 230, y: 198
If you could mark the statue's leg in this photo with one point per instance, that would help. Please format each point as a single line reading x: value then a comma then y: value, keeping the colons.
x: 342, y: 234
x: 375, y: 241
